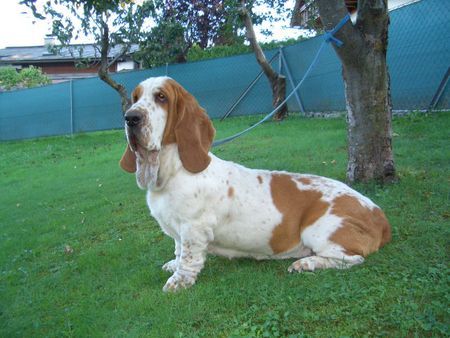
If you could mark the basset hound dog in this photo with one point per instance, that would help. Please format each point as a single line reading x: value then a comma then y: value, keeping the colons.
x: 208, y: 205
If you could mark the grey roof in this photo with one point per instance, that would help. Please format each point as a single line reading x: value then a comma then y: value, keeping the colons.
x: 42, y: 54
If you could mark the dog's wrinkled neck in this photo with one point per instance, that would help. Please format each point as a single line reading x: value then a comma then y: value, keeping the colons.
x: 147, y: 168
x: 168, y: 164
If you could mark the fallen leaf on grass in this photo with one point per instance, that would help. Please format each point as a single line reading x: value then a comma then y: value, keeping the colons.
x: 68, y: 250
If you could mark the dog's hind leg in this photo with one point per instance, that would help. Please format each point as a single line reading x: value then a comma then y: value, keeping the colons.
x: 331, y: 258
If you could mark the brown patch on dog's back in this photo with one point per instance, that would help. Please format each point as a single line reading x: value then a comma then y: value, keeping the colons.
x: 300, y: 208
x: 304, y: 180
x: 230, y: 192
x: 260, y: 180
x: 363, y: 230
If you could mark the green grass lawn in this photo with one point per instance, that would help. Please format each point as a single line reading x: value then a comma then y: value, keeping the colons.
x: 80, y: 255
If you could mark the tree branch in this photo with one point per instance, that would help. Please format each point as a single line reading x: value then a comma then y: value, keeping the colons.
x: 103, y: 71
x: 251, y: 37
x: 370, y: 12
x: 122, y: 52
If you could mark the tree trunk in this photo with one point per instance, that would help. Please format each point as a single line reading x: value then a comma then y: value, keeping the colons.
x: 367, y: 88
x: 369, y: 121
x: 278, y: 96
x: 277, y: 81
x: 103, y: 71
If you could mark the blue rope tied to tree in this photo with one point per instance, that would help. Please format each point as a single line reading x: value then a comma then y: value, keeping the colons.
x: 328, y: 38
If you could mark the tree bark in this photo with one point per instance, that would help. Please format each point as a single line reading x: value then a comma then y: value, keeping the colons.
x: 367, y: 88
x: 103, y: 71
x: 277, y: 81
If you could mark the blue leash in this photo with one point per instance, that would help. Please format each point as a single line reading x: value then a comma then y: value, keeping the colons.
x: 328, y: 37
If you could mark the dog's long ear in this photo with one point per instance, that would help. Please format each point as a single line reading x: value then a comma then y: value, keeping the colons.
x: 128, y: 160
x: 194, y: 133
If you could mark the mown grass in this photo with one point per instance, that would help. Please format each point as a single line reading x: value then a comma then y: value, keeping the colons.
x: 80, y: 255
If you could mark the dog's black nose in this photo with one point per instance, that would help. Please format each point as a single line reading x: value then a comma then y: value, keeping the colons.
x: 132, y: 118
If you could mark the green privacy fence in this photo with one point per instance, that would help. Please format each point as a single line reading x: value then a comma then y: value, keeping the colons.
x: 418, y: 58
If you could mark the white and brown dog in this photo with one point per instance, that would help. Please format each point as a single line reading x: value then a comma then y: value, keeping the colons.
x: 209, y: 205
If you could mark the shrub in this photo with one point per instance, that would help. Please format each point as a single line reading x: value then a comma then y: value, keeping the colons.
x: 29, y: 77
x: 9, y: 78
x: 196, y: 53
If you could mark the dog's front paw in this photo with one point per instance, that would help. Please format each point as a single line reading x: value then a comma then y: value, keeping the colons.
x: 170, y: 266
x: 301, y: 265
x: 178, y: 282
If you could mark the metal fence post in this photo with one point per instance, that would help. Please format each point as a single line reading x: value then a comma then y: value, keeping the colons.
x: 71, y: 106
x: 280, y: 61
x: 249, y: 87
x: 291, y: 80
x: 440, y: 90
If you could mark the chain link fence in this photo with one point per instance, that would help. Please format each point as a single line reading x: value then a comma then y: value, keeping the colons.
x: 419, y: 55
x: 418, y: 59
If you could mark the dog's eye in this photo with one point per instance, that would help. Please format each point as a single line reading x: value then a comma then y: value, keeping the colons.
x: 161, y: 97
